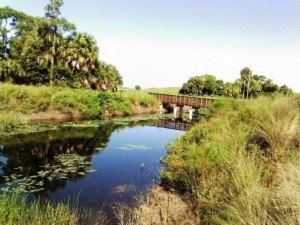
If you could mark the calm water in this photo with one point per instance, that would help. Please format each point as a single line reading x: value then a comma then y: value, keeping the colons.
x: 126, y: 160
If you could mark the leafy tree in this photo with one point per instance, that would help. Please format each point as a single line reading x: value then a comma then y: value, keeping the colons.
x: 285, y: 90
x: 233, y: 90
x: 194, y: 86
x: 137, y: 87
x: 268, y: 87
x: 220, y: 87
x: 53, y: 29
x: 45, y: 50
x: 246, y: 86
x: 110, y: 78
x: 11, y: 25
x: 210, y: 84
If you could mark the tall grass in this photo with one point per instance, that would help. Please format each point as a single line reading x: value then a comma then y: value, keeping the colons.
x: 141, y: 98
x: 32, y: 99
x: 15, y: 210
x: 9, y: 120
x: 241, y: 166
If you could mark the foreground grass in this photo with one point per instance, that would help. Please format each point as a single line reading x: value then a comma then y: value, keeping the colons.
x: 243, y: 165
x: 15, y: 210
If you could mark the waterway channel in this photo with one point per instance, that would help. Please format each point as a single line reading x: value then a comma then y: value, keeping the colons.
x: 98, y: 164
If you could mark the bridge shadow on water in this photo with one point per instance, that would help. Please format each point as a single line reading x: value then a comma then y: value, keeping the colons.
x: 174, y: 124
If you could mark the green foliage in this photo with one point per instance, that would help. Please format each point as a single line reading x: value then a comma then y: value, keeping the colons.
x: 14, y: 209
x: 71, y: 101
x: 113, y: 104
x: 194, y: 86
x: 137, y: 87
x: 140, y: 98
x: 18, y: 103
x: 248, y: 86
x: 66, y: 165
x: 49, y: 51
x: 240, y: 167
x: 8, y: 121
x: 110, y: 78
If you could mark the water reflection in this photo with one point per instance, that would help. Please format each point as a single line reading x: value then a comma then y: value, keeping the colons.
x: 33, y: 151
x: 125, y: 157
x: 174, y: 123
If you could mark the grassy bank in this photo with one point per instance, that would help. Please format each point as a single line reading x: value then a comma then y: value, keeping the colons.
x: 22, y: 104
x: 242, y: 166
x: 166, y: 90
x: 15, y: 210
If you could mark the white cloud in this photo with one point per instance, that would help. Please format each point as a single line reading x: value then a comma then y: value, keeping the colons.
x: 161, y: 63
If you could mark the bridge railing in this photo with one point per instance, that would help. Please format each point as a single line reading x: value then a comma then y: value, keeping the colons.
x: 184, y: 100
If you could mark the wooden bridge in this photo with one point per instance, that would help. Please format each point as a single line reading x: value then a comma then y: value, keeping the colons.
x: 180, y: 100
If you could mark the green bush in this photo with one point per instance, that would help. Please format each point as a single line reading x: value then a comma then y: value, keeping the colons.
x: 112, y: 103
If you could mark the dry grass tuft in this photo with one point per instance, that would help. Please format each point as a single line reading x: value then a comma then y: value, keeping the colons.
x: 160, y: 207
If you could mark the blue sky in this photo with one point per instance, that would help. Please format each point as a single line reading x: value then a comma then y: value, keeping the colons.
x: 163, y: 43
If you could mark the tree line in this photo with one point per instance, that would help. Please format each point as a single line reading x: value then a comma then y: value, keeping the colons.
x: 50, y: 51
x: 247, y: 86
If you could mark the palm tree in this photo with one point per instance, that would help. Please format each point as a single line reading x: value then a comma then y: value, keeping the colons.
x: 81, y: 55
x: 110, y: 78
x: 255, y: 87
x: 246, y: 74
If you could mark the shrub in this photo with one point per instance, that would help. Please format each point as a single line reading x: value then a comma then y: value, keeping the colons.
x: 112, y: 103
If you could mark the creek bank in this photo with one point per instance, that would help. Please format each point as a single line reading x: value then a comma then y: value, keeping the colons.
x: 164, y: 206
x: 21, y: 105
x: 59, y: 116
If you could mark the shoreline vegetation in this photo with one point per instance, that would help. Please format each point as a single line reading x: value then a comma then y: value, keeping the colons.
x: 239, y: 166
x: 21, y: 105
x: 14, y: 209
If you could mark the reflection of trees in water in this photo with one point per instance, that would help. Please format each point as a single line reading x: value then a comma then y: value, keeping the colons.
x: 31, y: 152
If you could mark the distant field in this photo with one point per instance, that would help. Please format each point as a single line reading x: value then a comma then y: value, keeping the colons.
x: 166, y: 90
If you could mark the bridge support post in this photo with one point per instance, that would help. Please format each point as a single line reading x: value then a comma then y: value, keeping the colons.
x: 175, y: 111
x: 191, y: 112
x: 196, y: 113
x: 180, y: 111
x: 161, y: 108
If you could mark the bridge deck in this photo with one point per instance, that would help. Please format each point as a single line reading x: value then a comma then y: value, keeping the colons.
x: 184, y: 100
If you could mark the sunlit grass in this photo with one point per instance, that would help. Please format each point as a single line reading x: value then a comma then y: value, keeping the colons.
x: 166, y: 90
x: 240, y: 167
x: 14, y: 209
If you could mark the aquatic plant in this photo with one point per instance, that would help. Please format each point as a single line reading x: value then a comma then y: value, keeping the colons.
x: 65, y: 166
